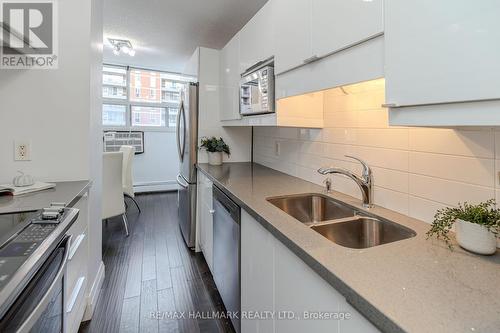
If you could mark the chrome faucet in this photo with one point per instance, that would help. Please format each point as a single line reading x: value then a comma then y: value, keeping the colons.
x: 365, y: 182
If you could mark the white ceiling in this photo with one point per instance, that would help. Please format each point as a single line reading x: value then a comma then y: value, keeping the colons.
x: 166, y: 32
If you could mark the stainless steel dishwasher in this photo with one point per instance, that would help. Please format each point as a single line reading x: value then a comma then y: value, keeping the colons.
x: 227, y: 253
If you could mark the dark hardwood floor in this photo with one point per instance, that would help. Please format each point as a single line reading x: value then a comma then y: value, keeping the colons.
x: 152, y: 277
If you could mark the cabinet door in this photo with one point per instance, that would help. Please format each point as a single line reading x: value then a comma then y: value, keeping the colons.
x: 208, y: 226
x: 441, y: 51
x: 205, y: 218
x: 230, y: 80
x: 257, y: 274
x: 340, y: 23
x: 256, y: 38
x: 292, y: 33
x: 299, y: 290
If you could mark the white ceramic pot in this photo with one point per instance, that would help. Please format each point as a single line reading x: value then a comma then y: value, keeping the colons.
x: 215, y: 158
x: 475, y: 238
x: 23, y: 180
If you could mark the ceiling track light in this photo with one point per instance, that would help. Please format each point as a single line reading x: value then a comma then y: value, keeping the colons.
x: 122, y: 46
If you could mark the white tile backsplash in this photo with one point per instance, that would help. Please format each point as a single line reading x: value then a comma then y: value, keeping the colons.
x: 416, y: 170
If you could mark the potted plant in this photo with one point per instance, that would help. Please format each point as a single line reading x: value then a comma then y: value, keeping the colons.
x: 477, y: 226
x: 215, y: 147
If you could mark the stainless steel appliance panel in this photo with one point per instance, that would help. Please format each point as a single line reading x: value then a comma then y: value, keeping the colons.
x: 187, y: 132
x: 187, y: 210
x: 226, y: 252
x: 187, y: 148
x: 40, y: 307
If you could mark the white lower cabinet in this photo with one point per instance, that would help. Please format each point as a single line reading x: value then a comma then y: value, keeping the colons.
x: 275, y: 282
x: 205, y: 218
x: 257, y: 275
x: 75, y: 283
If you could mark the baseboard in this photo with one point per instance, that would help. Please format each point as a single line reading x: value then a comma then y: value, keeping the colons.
x: 93, y: 295
x: 160, y: 186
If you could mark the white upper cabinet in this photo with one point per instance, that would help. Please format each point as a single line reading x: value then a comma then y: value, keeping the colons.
x: 292, y: 33
x: 337, y: 24
x: 308, y: 30
x: 229, y: 80
x: 256, y: 38
x: 441, y: 51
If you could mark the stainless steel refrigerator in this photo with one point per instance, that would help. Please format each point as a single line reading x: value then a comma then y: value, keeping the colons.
x: 187, y: 148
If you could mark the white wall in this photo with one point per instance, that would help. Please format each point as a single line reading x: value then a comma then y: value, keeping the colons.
x: 416, y: 170
x: 158, y: 167
x: 59, y: 111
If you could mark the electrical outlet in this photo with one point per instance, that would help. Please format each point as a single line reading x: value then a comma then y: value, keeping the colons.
x: 22, y: 151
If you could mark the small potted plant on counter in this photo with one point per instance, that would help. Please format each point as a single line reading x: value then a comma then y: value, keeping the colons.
x: 215, y: 147
x: 477, y: 226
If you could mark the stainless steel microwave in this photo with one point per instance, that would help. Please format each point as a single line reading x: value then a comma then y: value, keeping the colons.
x: 257, y: 92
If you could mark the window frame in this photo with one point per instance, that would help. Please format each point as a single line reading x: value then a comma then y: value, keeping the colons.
x: 128, y: 103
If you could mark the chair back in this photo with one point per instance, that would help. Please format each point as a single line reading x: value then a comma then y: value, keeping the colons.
x: 127, y: 178
x: 112, y: 188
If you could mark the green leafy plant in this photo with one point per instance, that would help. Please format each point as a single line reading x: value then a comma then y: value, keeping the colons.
x: 485, y: 214
x: 214, y: 145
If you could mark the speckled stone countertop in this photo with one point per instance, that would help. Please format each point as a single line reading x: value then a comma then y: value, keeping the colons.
x: 414, y: 285
x: 68, y: 192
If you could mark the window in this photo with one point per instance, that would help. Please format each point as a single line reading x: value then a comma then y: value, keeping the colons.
x: 172, y: 116
x: 114, y: 115
x: 148, y: 116
x: 141, y: 98
x: 114, y: 83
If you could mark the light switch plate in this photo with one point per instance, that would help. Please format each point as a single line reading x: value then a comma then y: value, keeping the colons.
x: 22, y: 150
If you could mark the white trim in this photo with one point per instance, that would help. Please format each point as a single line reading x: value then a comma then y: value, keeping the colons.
x: 158, y: 186
x: 94, y: 293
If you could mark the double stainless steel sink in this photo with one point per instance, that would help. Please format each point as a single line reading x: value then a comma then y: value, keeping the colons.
x: 341, y: 223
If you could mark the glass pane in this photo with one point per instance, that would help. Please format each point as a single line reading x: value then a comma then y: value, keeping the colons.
x: 115, y: 78
x: 172, y: 117
x: 115, y: 92
x: 145, y: 86
x: 114, y: 115
x: 148, y: 116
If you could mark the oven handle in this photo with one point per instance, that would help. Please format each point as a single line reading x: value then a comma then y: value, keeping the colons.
x: 40, y: 308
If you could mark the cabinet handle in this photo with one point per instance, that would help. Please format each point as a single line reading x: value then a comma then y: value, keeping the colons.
x: 390, y: 105
x: 311, y: 59
x: 75, y: 246
x: 211, y: 211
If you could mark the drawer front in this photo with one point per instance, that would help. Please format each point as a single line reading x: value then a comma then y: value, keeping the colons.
x: 75, y: 305
x: 77, y: 260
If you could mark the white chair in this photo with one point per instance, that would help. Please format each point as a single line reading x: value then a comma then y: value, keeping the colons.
x: 127, y: 178
x: 113, y: 203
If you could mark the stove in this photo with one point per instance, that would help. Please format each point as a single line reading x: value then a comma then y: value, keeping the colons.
x: 21, y: 234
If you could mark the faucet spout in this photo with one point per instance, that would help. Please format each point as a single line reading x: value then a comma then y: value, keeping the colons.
x: 365, y: 182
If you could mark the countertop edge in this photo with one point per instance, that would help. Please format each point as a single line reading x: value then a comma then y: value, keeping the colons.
x: 374, y: 315
x: 80, y: 194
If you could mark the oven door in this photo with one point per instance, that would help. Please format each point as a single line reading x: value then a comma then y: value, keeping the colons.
x: 40, y: 306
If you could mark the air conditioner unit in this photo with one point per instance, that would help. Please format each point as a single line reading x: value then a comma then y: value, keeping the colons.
x: 113, y: 140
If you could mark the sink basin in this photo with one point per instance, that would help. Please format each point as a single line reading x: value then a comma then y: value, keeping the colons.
x: 310, y: 208
x: 363, y: 232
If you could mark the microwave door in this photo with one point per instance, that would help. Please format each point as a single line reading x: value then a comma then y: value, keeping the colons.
x: 250, y: 97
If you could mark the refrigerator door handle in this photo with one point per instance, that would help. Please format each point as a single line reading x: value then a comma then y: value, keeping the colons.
x: 180, y: 150
x: 181, y: 182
